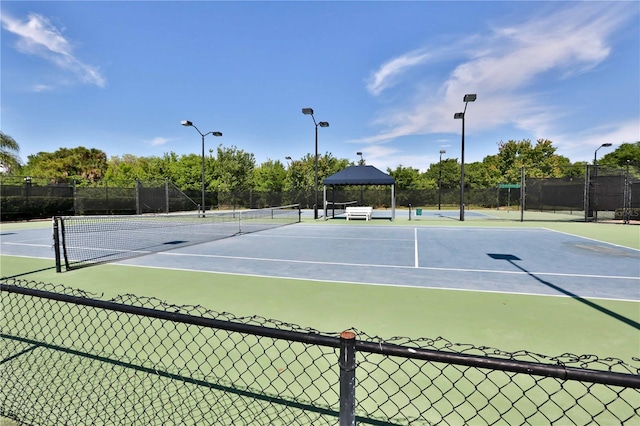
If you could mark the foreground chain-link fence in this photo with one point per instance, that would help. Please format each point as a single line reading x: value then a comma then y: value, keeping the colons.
x: 71, y: 358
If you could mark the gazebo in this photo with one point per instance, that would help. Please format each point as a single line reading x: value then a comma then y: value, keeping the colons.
x: 360, y: 175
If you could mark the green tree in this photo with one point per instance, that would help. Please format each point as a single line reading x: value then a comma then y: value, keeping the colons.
x: 270, y: 176
x: 231, y: 170
x: 128, y: 168
x: 450, y: 173
x: 9, y: 149
x: 77, y: 163
x: 301, y: 173
x: 623, y: 153
x: 539, y: 160
x: 410, y: 178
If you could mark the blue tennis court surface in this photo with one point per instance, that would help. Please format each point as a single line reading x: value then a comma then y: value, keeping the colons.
x: 530, y: 260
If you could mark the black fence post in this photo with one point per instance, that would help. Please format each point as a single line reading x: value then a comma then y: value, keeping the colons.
x: 347, y: 378
x: 138, y: 204
x: 166, y: 196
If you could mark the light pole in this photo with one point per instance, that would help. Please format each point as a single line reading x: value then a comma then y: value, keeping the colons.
x: 595, y: 183
x: 361, y: 158
x: 607, y: 144
x: 460, y: 115
x: 190, y: 124
x: 442, y: 151
x: 309, y: 111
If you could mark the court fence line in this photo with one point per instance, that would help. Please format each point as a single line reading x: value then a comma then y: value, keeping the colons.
x: 577, y: 193
x: 72, y: 357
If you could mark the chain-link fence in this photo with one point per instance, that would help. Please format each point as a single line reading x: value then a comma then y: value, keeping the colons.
x: 73, y: 358
x: 594, y: 193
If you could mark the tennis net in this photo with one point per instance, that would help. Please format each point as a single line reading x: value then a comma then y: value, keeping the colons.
x: 81, y: 241
x: 335, y: 209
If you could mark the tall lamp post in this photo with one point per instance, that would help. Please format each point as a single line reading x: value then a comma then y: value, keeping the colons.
x: 460, y: 115
x: 361, y: 163
x: 604, y: 145
x: 442, y: 151
x: 595, y: 184
x: 309, y: 111
x: 190, y: 124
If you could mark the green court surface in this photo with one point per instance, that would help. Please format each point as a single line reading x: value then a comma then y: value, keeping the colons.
x: 549, y: 325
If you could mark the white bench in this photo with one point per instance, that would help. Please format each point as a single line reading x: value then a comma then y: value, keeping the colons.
x: 359, y: 212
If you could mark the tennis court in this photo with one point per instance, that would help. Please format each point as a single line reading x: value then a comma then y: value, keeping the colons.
x: 509, y: 285
x: 563, y: 290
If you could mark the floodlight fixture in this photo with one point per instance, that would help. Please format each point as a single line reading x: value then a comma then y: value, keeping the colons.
x: 309, y: 111
x: 470, y: 97
x: 190, y: 124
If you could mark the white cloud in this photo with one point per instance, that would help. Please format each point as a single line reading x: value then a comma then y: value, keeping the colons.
x: 574, y: 145
x: 388, y: 73
x: 40, y: 88
x: 159, y: 141
x: 38, y: 36
x: 501, y: 68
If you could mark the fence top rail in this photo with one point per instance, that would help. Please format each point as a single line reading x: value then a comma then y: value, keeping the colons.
x: 296, y: 336
x: 515, y: 366
x: 308, y: 336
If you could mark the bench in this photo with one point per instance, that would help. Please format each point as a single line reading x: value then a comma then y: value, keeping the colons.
x: 359, y: 212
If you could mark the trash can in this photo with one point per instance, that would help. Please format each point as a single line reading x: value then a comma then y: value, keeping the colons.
x: 418, y: 212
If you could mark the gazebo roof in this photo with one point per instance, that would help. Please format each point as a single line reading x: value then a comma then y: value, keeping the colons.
x: 359, y: 175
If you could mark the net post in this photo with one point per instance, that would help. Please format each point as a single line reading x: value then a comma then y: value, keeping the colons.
x: 56, y: 244
x: 347, y: 365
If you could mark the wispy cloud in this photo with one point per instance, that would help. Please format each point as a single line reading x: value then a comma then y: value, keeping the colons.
x: 159, y: 141
x: 38, y: 36
x: 389, y: 72
x: 501, y: 66
x: 573, y: 144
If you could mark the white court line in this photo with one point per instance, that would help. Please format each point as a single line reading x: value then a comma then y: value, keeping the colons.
x: 373, y: 284
x: 373, y: 265
x: 590, y: 239
x: 415, y: 244
x: 28, y: 245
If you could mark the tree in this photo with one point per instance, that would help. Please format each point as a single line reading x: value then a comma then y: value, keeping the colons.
x: 409, y: 178
x: 539, y: 160
x: 623, y: 153
x: 301, y: 173
x: 270, y: 176
x: 231, y: 170
x: 76, y: 163
x: 9, y: 149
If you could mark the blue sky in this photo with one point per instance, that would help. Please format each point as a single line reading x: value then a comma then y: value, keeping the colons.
x: 388, y: 77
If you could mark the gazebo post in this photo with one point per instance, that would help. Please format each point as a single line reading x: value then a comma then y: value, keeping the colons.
x: 393, y: 202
